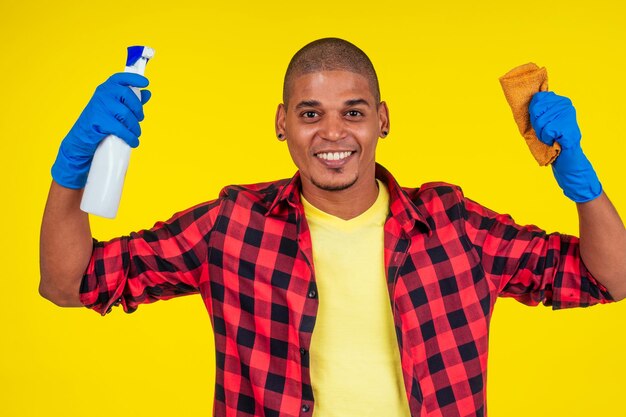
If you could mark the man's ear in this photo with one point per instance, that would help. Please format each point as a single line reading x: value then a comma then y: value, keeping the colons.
x: 383, y: 120
x: 279, y: 124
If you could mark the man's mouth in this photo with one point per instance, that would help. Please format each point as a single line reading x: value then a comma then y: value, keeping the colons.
x: 334, y: 156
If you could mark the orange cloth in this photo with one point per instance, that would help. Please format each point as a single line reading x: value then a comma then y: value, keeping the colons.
x: 519, y: 85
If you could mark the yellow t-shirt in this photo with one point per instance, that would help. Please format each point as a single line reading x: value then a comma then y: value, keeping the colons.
x: 354, y: 356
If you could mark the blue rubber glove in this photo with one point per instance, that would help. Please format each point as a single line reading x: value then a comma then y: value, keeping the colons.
x: 114, y: 109
x: 554, y: 119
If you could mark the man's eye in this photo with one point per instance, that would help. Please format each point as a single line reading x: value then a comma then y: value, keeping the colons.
x: 354, y: 113
x: 309, y: 114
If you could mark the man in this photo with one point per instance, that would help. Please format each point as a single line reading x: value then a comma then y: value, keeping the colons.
x: 336, y: 292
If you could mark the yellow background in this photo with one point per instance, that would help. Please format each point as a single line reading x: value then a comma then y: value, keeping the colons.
x: 216, y: 80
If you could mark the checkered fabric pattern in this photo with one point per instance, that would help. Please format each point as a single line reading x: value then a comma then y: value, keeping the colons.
x: 249, y: 255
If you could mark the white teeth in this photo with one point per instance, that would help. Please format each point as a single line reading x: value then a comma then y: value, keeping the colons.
x: 334, y: 156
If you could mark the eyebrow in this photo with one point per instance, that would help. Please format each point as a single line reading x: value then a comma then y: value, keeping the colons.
x: 308, y: 103
x: 348, y: 103
x: 357, y: 101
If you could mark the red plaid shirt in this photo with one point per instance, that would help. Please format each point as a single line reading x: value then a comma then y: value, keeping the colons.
x: 248, y: 254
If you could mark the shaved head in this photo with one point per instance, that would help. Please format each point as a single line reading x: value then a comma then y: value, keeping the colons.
x: 330, y: 54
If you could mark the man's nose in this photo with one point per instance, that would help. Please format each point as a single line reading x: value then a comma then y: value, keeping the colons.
x: 333, y: 128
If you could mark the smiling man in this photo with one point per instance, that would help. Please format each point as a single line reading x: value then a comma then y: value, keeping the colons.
x: 332, y: 119
x: 336, y: 292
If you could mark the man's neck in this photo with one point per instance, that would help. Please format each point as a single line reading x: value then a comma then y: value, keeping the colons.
x: 345, y: 204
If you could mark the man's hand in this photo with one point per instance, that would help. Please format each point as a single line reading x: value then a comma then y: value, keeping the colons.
x: 554, y: 119
x: 114, y: 109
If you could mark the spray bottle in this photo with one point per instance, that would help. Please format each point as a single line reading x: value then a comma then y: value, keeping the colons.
x: 106, y: 176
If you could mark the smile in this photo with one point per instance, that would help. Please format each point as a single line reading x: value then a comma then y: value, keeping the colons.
x: 333, y: 156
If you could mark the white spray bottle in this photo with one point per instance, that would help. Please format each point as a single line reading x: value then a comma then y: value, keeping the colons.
x: 108, y: 169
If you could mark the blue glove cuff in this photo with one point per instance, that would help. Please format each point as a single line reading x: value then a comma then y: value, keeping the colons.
x: 576, y: 176
x: 70, y: 172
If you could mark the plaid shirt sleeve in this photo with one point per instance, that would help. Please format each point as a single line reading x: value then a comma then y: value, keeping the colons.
x: 530, y: 265
x: 156, y: 264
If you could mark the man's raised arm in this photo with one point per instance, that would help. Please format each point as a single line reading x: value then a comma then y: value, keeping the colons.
x: 602, y: 232
x: 66, y: 243
x: 603, y: 244
x: 65, y: 246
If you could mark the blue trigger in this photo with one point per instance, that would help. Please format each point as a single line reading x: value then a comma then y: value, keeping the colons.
x: 134, y: 54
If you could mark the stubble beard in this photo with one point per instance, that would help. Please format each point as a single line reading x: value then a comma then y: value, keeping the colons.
x: 337, y: 187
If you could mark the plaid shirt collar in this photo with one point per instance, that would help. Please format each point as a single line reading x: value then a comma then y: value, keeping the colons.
x: 402, y: 208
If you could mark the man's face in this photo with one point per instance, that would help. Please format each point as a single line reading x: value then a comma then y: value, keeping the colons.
x: 332, y: 124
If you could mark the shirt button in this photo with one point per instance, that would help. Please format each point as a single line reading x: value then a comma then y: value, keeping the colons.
x: 303, y: 351
x: 312, y: 294
x: 305, y: 408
